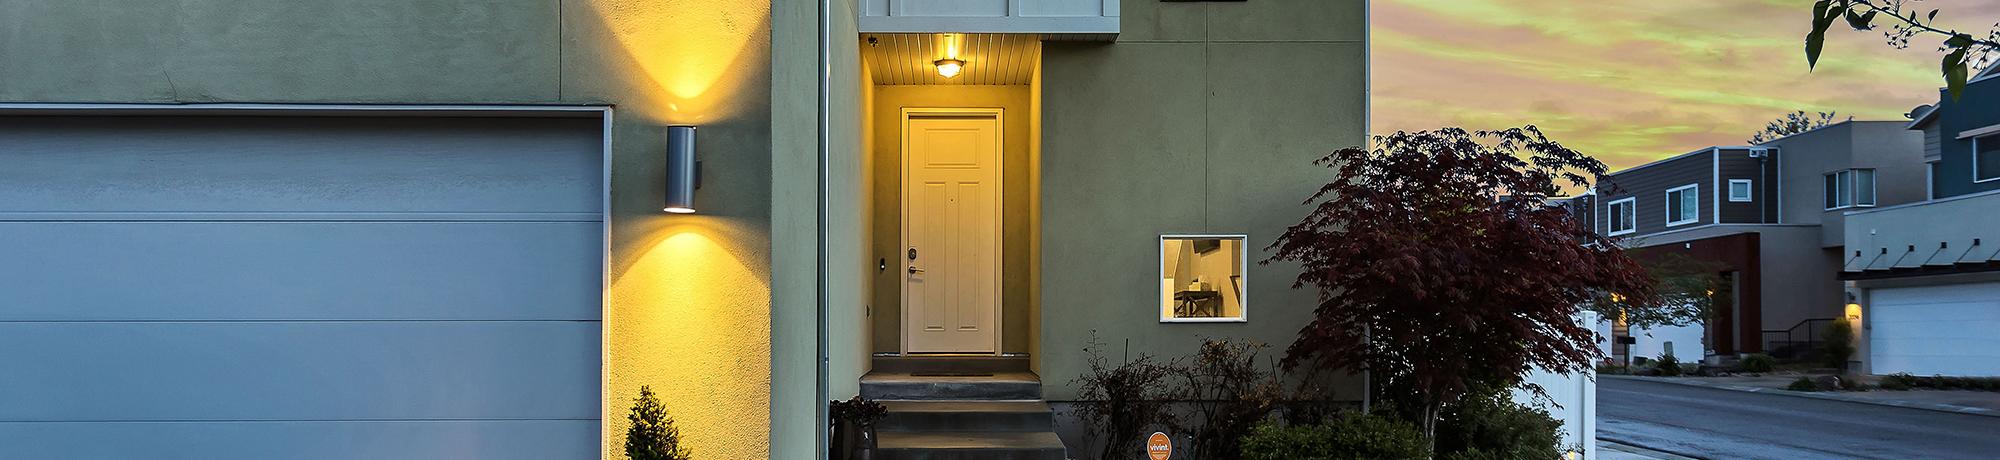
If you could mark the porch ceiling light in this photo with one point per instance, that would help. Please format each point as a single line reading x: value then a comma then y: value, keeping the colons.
x: 949, y: 67
x: 683, y: 170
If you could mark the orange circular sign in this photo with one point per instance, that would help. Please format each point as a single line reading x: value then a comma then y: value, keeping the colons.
x: 1158, y: 447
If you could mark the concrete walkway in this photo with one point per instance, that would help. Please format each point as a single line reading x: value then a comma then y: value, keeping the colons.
x: 1984, y: 403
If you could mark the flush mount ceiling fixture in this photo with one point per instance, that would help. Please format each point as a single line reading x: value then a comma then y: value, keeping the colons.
x: 950, y: 65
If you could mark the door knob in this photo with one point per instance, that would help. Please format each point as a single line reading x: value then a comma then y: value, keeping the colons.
x: 914, y: 270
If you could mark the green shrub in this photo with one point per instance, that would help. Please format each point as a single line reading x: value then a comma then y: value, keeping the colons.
x: 1893, y: 385
x: 1350, y: 435
x: 1489, y: 424
x: 1839, y: 345
x: 652, y: 435
x: 1758, y: 363
x: 1803, y: 384
x: 1669, y: 366
x: 1901, y: 380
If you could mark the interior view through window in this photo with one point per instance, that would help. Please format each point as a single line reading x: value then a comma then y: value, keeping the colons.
x: 1201, y: 278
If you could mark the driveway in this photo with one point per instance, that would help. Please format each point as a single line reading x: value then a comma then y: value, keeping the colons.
x: 1715, y: 423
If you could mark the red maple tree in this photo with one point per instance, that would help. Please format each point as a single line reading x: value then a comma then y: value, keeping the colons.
x: 1442, y: 267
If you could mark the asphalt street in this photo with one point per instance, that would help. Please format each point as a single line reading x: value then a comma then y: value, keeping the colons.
x: 1725, y: 424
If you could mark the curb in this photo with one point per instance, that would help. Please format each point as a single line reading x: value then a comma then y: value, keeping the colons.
x: 1935, y: 407
x: 1630, y: 447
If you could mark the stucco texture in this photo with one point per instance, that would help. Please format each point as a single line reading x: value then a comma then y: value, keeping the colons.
x: 1202, y: 118
x: 688, y: 306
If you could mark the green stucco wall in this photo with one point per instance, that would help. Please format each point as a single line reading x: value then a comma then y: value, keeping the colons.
x: 660, y: 62
x: 1016, y: 270
x: 1202, y: 118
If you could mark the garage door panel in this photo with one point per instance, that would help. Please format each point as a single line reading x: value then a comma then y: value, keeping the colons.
x: 300, y: 270
x: 263, y: 164
x: 496, y: 440
x: 246, y: 371
x: 1930, y: 330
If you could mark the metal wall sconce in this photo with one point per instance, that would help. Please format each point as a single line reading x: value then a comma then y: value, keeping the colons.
x: 683, y: 170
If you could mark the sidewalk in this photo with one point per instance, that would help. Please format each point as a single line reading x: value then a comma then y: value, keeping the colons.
x: 1984, y: 403
x: 1614, y: 450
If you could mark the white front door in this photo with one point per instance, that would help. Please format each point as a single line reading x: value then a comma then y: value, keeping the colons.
x: 951, y: 231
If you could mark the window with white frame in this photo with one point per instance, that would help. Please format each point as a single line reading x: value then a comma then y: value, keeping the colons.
x: 1986, y: 158
x: 1739, y: 190
x: 1849, y: 188
x: 1683, y: 205
x: 1622, y: 216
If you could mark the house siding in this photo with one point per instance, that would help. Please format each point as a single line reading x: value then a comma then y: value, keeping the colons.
x: 1933, y: 142
x: 1650, y: 184
x: 1978, y: 107
x: 1202, y: 118
x: 1737, y: 164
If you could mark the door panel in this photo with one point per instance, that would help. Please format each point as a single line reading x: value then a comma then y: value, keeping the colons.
x: 951, y: 237
x: 300, y: 287
x: 1930, y: 330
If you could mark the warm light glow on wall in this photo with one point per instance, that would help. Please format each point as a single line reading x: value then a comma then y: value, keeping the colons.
x: 677, y: 323
x: 687, y: 56
x: 1854, y: 312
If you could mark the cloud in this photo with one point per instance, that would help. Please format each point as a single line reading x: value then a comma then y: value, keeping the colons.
x: 1631, y: 81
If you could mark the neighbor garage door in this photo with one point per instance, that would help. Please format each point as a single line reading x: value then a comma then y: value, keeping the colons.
x: 305, y: 287
x: 1947, y: 330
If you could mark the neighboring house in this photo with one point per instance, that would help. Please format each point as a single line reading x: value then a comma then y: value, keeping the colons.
x: 436, y: 228
x: 1924, y: 278
x: 1768, y: 216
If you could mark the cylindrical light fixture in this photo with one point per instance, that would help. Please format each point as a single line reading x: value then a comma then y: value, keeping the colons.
x: 683, y: 170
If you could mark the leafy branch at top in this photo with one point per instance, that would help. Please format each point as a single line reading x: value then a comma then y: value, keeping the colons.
x: 1961, y: 49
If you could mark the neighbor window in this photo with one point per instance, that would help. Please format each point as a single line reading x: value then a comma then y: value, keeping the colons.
x: 1201, y: 278
x: 1683, y: 205
x: 1739, y: 190
x: 1853, y: 187
x: 1621, y: 216
x: 1986, y: 158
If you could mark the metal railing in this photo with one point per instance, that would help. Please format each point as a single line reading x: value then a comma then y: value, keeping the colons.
x: 1812, y: 336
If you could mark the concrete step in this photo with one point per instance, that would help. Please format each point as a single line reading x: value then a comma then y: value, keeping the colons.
x: 951, y: 364
x: 907, y: 386
x: 1005, y: 416
x: 964, y: 445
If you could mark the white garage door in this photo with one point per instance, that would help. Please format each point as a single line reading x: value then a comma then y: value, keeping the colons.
x: 1945, y: 330
x: 313, y: 287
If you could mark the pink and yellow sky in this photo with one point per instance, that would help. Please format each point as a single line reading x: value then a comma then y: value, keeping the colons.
x: 1631, y: 81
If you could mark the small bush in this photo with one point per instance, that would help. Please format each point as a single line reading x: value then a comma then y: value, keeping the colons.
x: 1839, y: 345
x: 1612, y: 369
x: 1758, y: 363
x: 1120, y: 402
x: 1893, y: 385
x: 1489, y: 424
x: 1669, y: 366
x: 1902, y: 380
x: 1350, y: 435
x: 652, y: 435
x: 1803, y: 384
